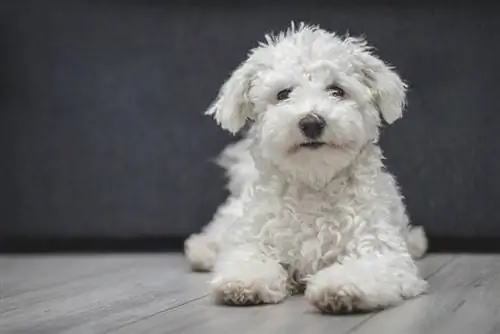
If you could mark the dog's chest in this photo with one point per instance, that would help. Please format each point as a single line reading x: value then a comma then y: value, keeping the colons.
x: 308, y: 230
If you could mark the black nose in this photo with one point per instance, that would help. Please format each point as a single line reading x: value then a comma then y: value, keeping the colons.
x: 312, y: 125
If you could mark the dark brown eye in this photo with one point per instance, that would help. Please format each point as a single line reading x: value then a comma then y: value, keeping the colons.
x: 283, y: 94
x: 335, y: 91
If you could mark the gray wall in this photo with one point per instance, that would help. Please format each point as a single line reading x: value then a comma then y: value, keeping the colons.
x: 101, y: 126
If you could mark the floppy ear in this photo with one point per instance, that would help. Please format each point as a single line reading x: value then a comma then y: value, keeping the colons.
x: 388, y: 89
x: 233, y: 107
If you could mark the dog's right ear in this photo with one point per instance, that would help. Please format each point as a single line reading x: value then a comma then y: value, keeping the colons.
x: 233, y: 108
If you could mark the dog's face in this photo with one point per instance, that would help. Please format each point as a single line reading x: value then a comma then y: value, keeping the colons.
x: 314, y: 100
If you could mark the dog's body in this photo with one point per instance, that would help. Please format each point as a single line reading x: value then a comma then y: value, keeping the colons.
x: 311, y: 204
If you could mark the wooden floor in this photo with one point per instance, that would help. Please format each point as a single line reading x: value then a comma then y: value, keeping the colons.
x: 156, y: 293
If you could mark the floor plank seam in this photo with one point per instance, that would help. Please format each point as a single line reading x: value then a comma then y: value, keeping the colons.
x: 478, y: 281
x: 361, y: 323
x: 171, y: 308
x: 445, y: 264
x: 459, y: 305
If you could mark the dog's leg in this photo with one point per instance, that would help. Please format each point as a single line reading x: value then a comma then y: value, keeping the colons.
x: 201, y: 251
x: 246, y: 276
x: 201, y: 248
x: 375, y: 273
x: 417, y: 242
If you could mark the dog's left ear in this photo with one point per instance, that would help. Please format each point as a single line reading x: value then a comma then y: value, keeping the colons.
x: 388, y: 89
x: 233, y: 108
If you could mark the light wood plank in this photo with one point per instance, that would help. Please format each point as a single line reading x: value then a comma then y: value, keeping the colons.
x: 476, y: 308
x: 464, y: 298
x: 96, y: 301
x: 24, y: 273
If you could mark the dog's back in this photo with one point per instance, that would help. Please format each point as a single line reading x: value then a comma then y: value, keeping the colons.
x: 238, y: 165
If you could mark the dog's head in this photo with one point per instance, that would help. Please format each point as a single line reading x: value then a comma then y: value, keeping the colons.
x: 314, y: 99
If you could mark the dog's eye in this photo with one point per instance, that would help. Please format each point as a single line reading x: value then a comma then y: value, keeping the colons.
x: 335, y: 91
x: 283, y: 94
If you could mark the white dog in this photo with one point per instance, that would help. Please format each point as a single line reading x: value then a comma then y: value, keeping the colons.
x: 311, y: 205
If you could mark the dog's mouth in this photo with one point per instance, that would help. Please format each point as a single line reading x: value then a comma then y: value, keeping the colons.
x: 312, y: 144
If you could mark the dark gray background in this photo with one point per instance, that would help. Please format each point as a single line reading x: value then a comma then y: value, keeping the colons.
x: 101, y: 126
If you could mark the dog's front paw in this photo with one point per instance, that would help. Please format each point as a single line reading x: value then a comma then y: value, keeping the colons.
x: 364, y: 285
x: 335, y: 295
x: 260, y: 283
x: 247, y: 293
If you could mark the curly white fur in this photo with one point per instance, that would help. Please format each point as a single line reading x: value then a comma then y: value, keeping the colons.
x: 328, y: 219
